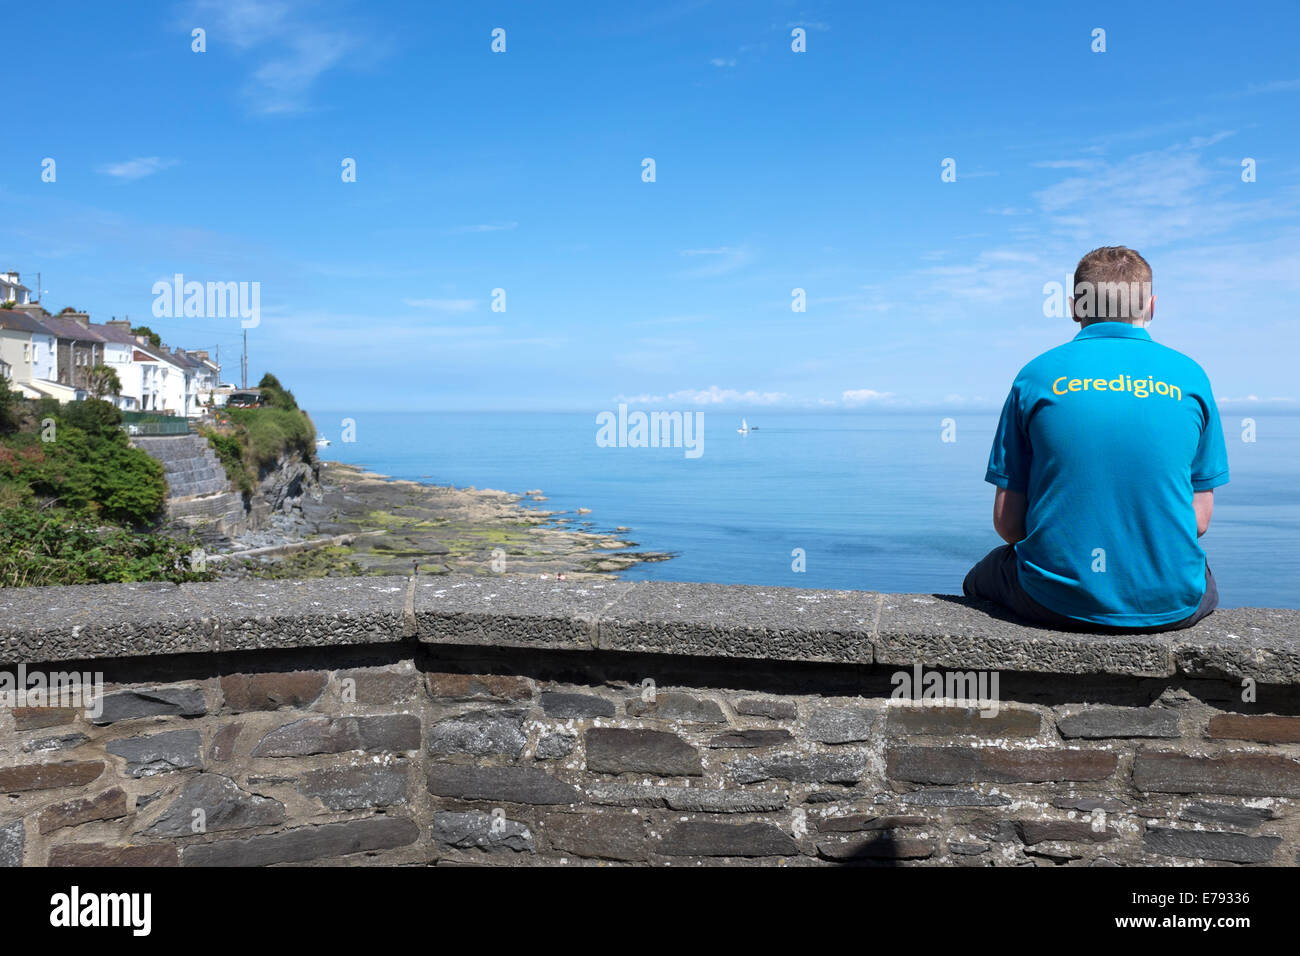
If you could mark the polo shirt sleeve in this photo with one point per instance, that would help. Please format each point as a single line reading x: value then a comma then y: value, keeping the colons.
x: 1210, y: 466
x: 1009, y: 459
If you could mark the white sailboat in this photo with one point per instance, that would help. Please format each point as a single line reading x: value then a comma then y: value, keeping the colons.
x: 744, y: 427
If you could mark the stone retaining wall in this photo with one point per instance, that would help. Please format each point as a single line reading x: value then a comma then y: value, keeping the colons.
x: 500, y: 721
x: 199, y: 492
x: 189, y: 463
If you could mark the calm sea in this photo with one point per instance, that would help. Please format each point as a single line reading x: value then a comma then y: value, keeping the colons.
x: 875, y: 501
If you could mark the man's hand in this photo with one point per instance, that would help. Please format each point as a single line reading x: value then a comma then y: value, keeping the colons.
x: 1009, y: 515
x: 1203, y: 502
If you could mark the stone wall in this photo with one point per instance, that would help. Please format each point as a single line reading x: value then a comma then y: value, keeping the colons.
x: 201, y: 497
x: 511, y: 722
x: 199, y: 494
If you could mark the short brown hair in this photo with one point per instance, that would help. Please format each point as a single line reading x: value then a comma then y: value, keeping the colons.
x: 1113, y: 282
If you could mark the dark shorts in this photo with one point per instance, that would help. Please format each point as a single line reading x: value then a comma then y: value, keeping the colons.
x: 995, y: 579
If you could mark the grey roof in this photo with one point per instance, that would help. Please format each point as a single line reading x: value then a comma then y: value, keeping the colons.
x: 110, y: 333
x: 184, y: 358
x: 22, y: 322
x: 158, y: 355
x: 66, y: 328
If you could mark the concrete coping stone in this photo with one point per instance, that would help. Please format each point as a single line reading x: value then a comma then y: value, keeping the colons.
x: 42, y: 625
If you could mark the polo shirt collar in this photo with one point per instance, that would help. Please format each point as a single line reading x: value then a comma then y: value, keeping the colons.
x: 1113, y: 330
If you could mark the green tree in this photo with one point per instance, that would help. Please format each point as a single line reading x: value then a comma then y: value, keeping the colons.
x: 95, y: 417
x: 102, y: 381
x: 89, y: 467
x: 8, y: 408
x: 154, y: 338
x: 275, y: 394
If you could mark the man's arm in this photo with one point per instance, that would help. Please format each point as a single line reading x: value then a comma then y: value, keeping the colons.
x: 1203, y: 502
x: 1009, y: 515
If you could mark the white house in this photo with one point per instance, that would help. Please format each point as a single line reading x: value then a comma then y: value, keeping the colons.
x: 119, y: 349
x: 11, y: 290
x: 209, y: 371
x: 28, y: 350
x: 162, y: 384
x: 196, y: 373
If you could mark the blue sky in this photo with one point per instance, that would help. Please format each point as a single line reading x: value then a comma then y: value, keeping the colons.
x: 522, y: 170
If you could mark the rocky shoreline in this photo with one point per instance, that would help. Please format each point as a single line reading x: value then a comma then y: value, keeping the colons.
x: 357, y: 522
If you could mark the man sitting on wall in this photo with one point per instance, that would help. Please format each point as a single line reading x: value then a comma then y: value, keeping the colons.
x: 1105, y: 460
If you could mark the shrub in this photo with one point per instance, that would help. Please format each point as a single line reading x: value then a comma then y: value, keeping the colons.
x: 231, y: 454
x: 13, y: 494
x: 275, y: 394
x: 8, y: 408
x: 59, y: 547
x: 94, y: 416
x: 269, y: 433
x: 91, y: 469
x: 46, y: 407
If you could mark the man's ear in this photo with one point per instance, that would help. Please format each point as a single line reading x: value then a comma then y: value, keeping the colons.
x: 1072, y: 312
x: 1151, y: 307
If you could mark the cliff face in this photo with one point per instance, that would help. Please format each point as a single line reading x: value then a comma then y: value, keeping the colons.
x: 281, y: 488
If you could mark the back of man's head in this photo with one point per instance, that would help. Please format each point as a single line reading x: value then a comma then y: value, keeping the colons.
x: 1112, y: 284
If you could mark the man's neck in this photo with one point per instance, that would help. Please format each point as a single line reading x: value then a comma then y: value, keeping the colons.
x: 1136, y: 323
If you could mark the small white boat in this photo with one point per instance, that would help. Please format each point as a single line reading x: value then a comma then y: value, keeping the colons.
x: 744, y: 427
x: 322, y: 442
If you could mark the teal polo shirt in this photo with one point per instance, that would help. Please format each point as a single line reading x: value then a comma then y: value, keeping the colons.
x: 1108, y: 435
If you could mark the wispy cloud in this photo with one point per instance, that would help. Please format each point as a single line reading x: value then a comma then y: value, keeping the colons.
x: 718, y: 261
x: 485, y: 227
x: 1155, y: 198
x: 136, y: 168
x: 863, y: 396
x: 443, y: 305
x: 1065, y: 164
x: 849, y: 399
x: 722, y: 62
x: 1276, y: 86
x: 292, y: 43
x: 670, y: 320
x: 713, y: 395
x: 1254, y: 401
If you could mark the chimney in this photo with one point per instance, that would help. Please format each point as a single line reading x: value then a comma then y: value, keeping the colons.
x: 119, y: 324
x: 200, y: 354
